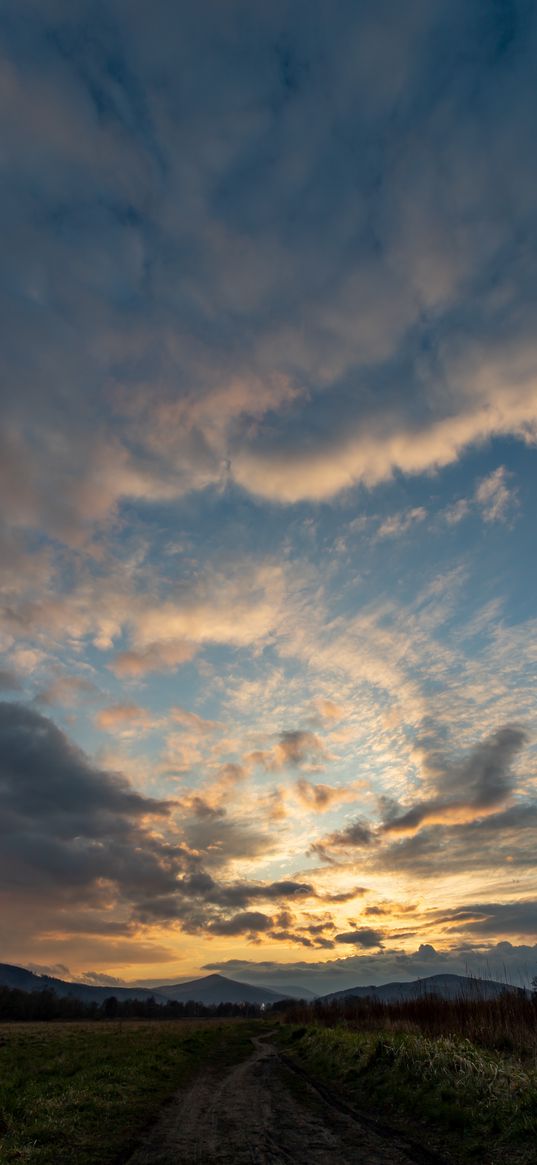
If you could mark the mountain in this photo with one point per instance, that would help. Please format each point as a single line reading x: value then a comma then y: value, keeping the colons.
x: 214, y: 989
x: 445, y: 986
x: 11, y: 976
x: 211, y: 990
x: 295, y: 992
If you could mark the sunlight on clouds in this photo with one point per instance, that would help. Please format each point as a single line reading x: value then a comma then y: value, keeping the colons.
x: 267, y: 618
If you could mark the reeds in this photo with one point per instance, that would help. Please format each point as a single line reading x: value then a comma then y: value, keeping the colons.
x: 506, y: 1024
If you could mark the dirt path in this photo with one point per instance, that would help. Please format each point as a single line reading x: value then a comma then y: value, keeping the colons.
x: 262, y: 1113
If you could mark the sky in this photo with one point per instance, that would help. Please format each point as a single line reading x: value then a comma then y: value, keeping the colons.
x: 269, y: 477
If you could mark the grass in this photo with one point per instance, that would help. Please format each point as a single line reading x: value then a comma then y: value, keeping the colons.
x: 82, y: 1093
x: 472, y: 1104
x: 506, y: 1024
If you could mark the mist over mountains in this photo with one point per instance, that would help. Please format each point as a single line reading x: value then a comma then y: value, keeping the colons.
x: 211, y: 989
x: 215, y: 989
x: 443, y: 986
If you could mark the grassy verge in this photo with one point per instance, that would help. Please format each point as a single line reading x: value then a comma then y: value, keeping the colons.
x: 471, y: 1104
x: 82, y: 1093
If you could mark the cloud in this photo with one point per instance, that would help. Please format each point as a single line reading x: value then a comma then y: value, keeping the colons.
x: 220, y: 839
x: 165, y: 656
x: 328, y: 710
x: 493, y: 918
x: 345, y: 461
x: 194, y: 723
x: 494, y: 496
x: 186, y: 340
x: 489, y: 960
x: 240, y: 609
x: 358, y: 835
x: 499, y: 842
x: 238, y: 603
x: 123, y: 717
x: 319, y: 797
x: 100, y: 979
x: 457, y: 512
x: 474, y: 787
x: 363, y: 936
x: 296, y: 746
x: 251, y: 922
x: 472, y: 817
x: 73, y: 832
x: 319, y: 363
x: 76, y: 834
x: 68, y: 690
x: 9, y: 680
x: 398, y: 524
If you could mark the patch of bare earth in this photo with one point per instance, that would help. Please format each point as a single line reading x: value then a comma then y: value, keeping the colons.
x: 259, y: 1113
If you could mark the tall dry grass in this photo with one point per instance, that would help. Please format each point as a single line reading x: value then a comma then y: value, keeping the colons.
x: 507, y: 1024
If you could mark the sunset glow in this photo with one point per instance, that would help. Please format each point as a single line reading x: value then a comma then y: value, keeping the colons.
x: 268, y: 454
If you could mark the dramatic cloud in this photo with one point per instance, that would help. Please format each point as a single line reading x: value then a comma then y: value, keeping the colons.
x: 477, y: 786
x: 357, y: 836
x: 502, y: 961
x: 504, y: 840
x: 72, y: 829
x: 350, y: 322
x: 269, y: 428
x: 493, y: 918
x: 83, y: 834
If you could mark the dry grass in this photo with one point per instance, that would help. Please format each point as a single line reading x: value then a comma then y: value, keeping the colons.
x: 463, y: 1073
x: 507, y: 1024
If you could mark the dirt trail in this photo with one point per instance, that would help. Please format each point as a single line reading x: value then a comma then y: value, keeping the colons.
x: 261, y: 1113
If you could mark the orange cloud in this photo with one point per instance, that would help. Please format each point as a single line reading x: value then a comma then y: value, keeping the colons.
x: 120, y: 716
x: 155, y: 657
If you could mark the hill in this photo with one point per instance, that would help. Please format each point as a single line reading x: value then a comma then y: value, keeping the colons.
x: 210, y: 990
x: 445, y: 986
x: 214, y: 989
x: 11, y: 976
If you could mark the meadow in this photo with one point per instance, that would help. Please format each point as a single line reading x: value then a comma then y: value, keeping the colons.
x: 81, y: 1093
x: 460, y: 1075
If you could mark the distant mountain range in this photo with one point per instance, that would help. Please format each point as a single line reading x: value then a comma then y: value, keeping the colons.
x: 445, y: 986
x: 211, y: 990
x: 214, y: 989
x: 28, y: 981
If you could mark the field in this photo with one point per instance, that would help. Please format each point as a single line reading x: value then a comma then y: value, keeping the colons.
x: 81, y: 1093
x: 460, y: 1075
x: 357, y: 1081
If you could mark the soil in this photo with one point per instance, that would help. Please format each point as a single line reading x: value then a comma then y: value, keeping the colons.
x: 264, y: 1113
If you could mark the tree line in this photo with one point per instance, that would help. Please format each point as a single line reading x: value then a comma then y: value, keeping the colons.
x: 32, y: 1006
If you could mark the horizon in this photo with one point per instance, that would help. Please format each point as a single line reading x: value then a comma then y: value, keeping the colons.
x: 262, y: 984
x: 267, y: 630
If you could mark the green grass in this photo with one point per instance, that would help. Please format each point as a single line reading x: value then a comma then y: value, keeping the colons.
x: 472, y: 1104
x: 82, y: 1093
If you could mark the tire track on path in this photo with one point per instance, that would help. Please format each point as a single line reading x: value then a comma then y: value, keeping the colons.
x: 265, y: 1111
